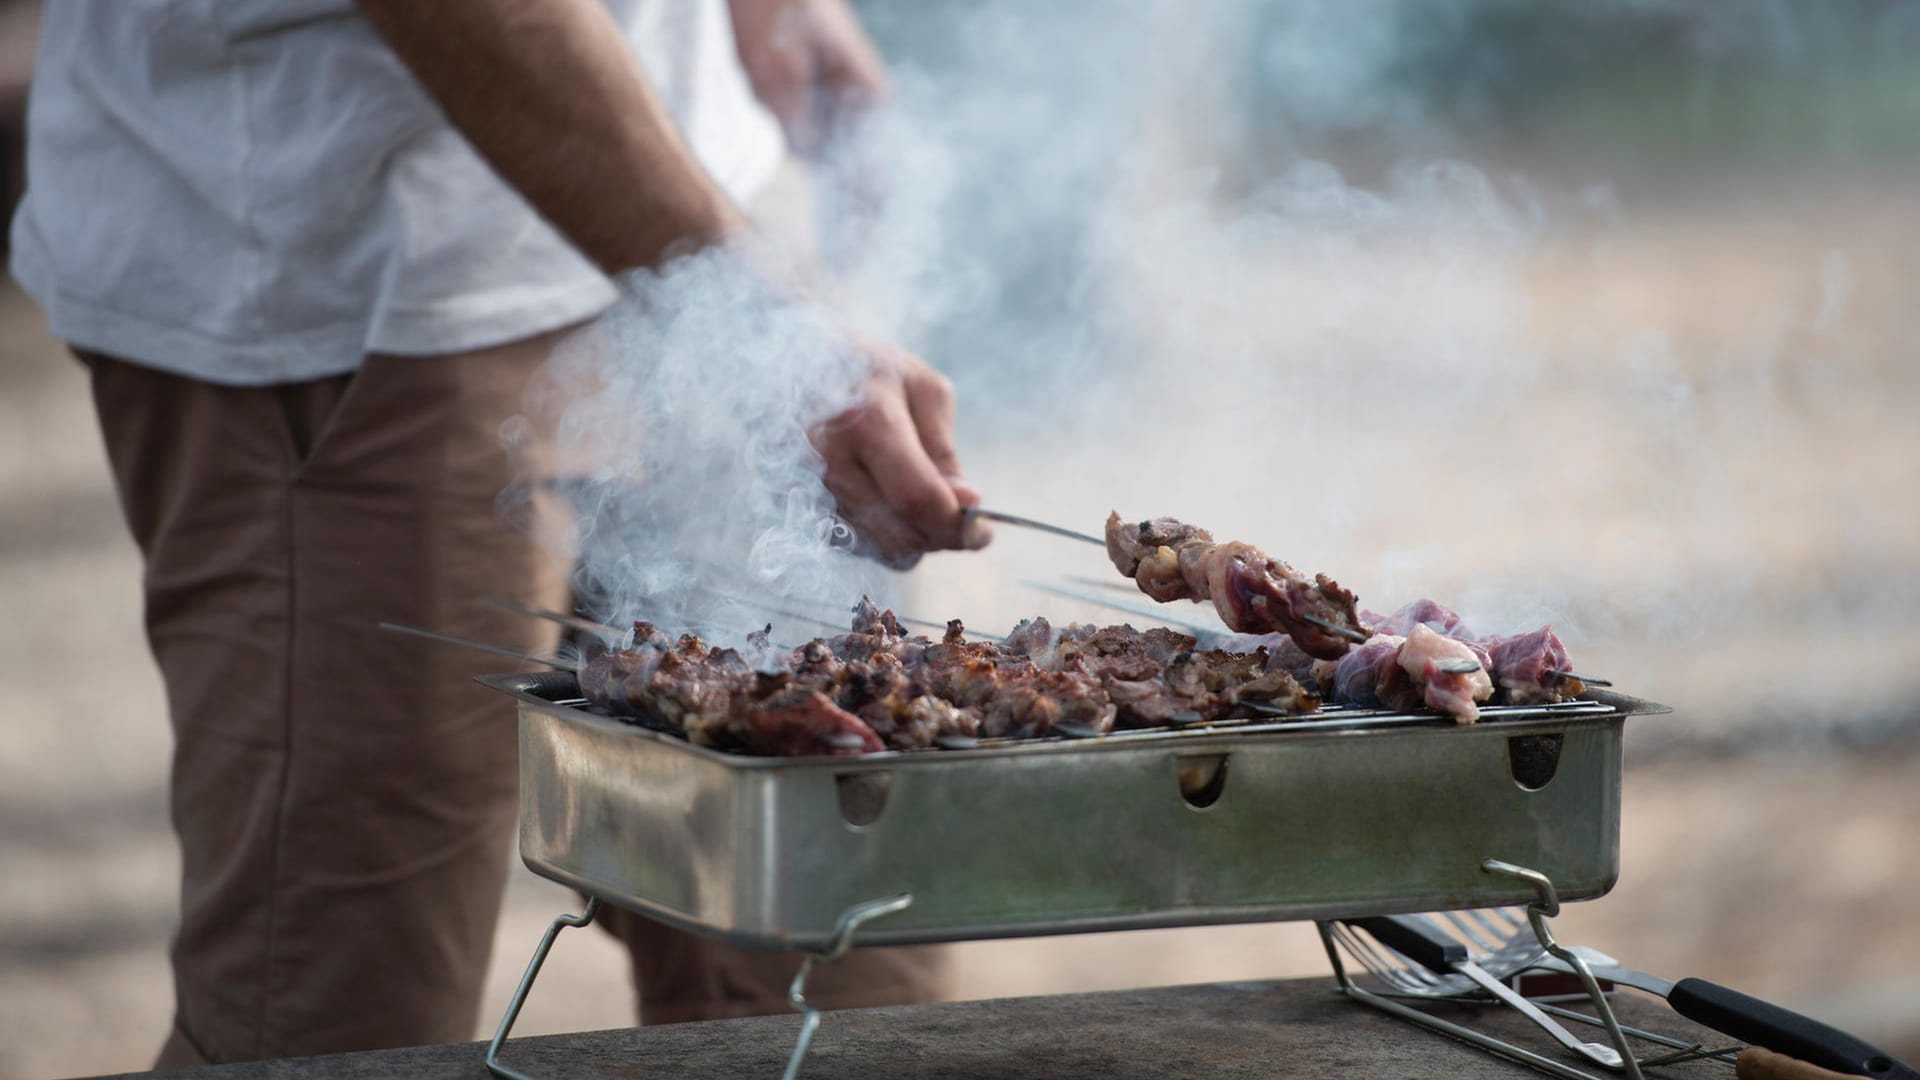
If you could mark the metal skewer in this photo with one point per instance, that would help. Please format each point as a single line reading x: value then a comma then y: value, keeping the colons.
x: 1204, y: 633
x: 1029, y: 523
x: 574, y: 621
x: 1591, y: 680
x: 1126, y: 586
x: 1343, y: 631
x: 498, y: 650
x: 841, y: 627
x: 770, y: 609
x: 1457, y: 667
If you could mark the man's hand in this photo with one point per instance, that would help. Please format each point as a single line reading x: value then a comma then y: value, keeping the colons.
x: 810, y: 63
x: 549, y: 95
x: 891, y: 463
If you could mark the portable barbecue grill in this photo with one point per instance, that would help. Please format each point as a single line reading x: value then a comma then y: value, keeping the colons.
x: 1346, y: 812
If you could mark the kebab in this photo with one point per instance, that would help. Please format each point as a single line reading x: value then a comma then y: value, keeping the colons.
x: 1253, y: 592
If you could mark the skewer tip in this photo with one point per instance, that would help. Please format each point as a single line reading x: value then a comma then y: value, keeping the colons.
x: 1343, y: 631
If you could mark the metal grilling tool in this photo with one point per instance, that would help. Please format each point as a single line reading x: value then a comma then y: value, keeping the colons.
x: 1422, y: 960
x: 1459, y: 954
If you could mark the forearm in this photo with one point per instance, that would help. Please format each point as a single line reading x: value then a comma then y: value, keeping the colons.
x: 550, y: 96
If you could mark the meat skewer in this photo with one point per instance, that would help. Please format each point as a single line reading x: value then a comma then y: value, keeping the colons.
x: 1029, y: 523
x: 1329, y: 624
x: 1254, y: 593
x: 907, y: 620
x: 1208, y: 636
x: 572, y: 622
x: 497, y: 650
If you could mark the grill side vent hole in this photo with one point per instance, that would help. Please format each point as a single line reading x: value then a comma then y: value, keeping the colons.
x: 863, y: 795
x: 1202, y: 778
x: 1533, y: 759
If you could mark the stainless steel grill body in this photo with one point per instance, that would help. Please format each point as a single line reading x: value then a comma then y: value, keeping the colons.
x: 1372, y: 814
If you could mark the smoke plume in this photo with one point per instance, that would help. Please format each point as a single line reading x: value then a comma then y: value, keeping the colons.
x: 1399, y: 298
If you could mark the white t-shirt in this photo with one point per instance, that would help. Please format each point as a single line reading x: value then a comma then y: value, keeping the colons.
x: 257, y: 191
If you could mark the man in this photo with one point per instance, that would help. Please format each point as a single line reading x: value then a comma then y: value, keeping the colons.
x: 311, y: 252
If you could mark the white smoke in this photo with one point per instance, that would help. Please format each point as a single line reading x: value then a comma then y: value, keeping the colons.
x: 679, y: 422
x: 1254, y: 264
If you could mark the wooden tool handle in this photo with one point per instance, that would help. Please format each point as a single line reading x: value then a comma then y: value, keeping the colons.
x: 1758, y: 1063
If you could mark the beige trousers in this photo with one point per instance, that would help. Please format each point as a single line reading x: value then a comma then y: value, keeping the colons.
x: 345, y: 798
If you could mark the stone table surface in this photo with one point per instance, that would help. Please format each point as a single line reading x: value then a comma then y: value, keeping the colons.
x: 1295, y: 1028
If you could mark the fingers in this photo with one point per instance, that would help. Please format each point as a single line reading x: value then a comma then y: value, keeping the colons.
x: 886, y: 483
x: 930, y: 406
x: 878, y: 532
x: 911, y: 484
x: 930, y: 402
x: 891, y: 462
x: 976, y: 533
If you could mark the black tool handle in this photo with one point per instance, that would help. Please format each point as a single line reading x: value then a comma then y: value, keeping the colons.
x: 1754, y: 1021
x: 1416, y: 939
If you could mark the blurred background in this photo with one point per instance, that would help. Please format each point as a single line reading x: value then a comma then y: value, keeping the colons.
x: 1598, y: 314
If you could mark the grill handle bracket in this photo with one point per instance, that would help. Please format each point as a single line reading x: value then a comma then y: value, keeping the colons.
x: 851, y: 920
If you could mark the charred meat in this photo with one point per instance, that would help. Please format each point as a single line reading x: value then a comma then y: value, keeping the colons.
x: 875, y: 687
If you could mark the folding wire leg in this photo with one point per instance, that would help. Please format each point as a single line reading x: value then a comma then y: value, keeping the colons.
x: 844, y: 930
x: 507, y: 1072
x: 849, y: 924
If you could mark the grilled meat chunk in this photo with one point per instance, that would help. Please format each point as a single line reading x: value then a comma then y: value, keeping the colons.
x: 1526, y: 668
x: 1426, y: 658
x: 1405, y: 673
x: 1129, y: 544
x: 800, y: 721
x: 1434, y: 615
